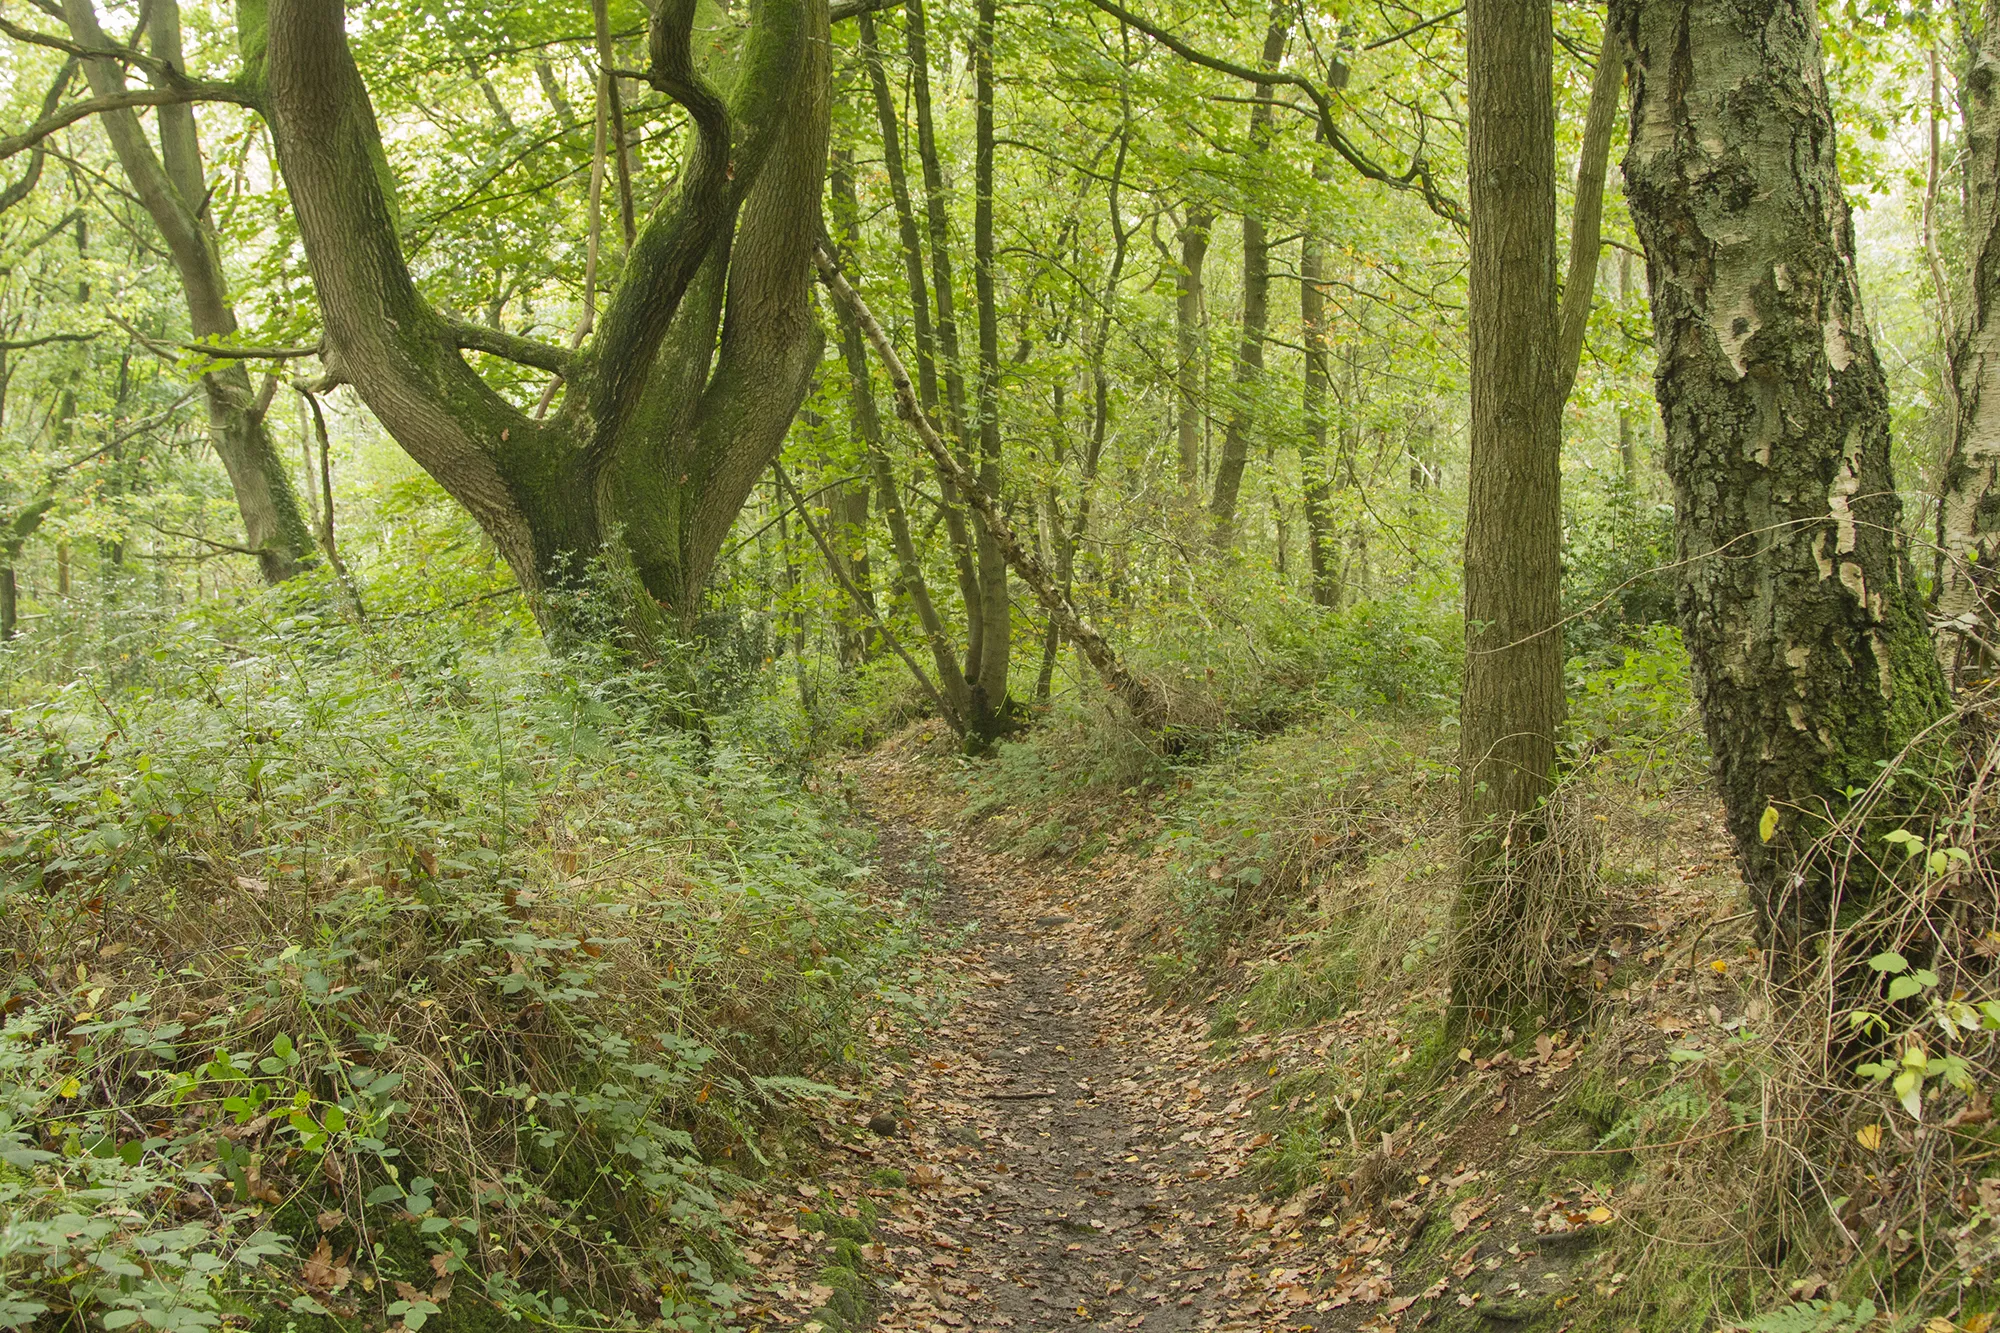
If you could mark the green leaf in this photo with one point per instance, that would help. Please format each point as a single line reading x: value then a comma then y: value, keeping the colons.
x: 1902, y: 988
x: 1890, y: 961
x: 1909, y: 1088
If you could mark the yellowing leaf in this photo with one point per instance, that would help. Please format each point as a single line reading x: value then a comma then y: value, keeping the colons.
x: 1767, y: 827
x: 1869, y: 1137
x: 1720, y: 965
x: 1599, y: 1214
x: 70, y: 1088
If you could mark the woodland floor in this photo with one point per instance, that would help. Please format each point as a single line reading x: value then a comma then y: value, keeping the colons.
x: 1069, y: 1153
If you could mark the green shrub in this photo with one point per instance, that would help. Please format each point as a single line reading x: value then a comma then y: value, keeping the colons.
x: 355, y: 967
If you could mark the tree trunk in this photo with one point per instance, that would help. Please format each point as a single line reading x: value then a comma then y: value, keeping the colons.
x: 173, y: 188
x: 1628, y: 437
x: 1968, y: 524
x: 1256, y: 309
x: 1512, y: 697
x: 993, y: 712
x: 1189, y: 343
x: 1811, y: 661
x: 1322, y: 542
x: 927, y: 338
x: 681, y: 397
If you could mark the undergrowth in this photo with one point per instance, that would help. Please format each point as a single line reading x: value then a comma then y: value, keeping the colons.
x: 362, y: 977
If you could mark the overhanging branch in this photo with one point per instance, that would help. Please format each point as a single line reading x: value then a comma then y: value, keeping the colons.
x: 135, y: 97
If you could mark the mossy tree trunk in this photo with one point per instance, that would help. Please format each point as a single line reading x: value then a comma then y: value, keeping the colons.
x: 1812, y: 663
x: 680, y: 399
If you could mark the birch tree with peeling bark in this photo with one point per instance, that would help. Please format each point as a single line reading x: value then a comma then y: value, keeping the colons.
x: 1811, y: 660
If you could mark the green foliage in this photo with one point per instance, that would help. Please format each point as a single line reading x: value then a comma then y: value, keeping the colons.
x: 399, y: 953
x: 1813, y: 1317
x: 1637, y: 710
x: 1618, y: 575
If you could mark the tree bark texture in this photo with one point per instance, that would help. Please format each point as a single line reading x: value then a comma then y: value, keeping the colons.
x: 172, y: 186
x: 1811, y: 659
x: 1512, y: 696
x: 1968, y: 525
x: 678, y: 401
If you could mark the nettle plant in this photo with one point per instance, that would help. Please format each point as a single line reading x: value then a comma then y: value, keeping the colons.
x: 1924, y: 1026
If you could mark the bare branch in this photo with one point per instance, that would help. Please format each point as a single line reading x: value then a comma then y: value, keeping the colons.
x: 1416, y: 28
x: 136, y: 97
x: 23, y: 344
x: 848, y: 9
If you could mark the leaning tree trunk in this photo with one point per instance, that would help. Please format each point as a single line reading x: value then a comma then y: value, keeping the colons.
x: 681, y: 397
x: 1969, y: 503
x: 1811, y: 660
x: 173, y: 188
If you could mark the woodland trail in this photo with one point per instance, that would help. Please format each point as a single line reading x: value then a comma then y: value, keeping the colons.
x: 1067, y: 1107
x: 1074, y: 1153
x: 1059, y: 1149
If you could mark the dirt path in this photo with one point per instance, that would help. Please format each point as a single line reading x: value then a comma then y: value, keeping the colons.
x: 1072, y: 1135
x: 1059, y: 1151
x: 1067, y: 1107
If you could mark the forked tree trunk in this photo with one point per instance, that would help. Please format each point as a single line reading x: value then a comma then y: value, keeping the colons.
x: 172, y: 186
x: 680, y: 399
x: 1811, y: 661
x: 1969, y: 505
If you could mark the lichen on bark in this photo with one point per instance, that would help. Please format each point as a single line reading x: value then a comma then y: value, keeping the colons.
x: 1812, y: 662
